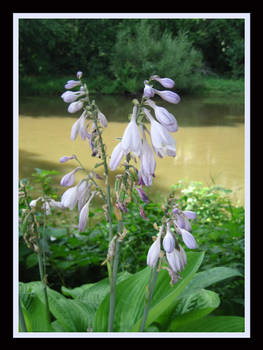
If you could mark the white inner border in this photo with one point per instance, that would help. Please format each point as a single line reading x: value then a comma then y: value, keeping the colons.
x: 16, y: 17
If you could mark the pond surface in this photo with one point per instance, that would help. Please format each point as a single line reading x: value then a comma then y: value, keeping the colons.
x: 210, y: 140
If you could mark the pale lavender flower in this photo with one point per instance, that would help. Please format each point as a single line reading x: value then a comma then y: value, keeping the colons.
x: 64, y: 159
x: 116, y: 157
x: 79, y: 127
x: 33, y: 203
x: 79, y: 74
x: 131, y: 140
x: 148, y: 90
x: 162, y: 141
x: 165, y: 82
x: 84, y: 214
x: 102, y: 119
x: 70, y: 197
x: 71, y: 96
x: 72, y: 83
x: 168, y: 241
x: 164, y: 117
x: 75, y: 106
x: 168, y: 96
x: 68, y: 179
x: 154, y: 252
x: 83, y: 193
x: 147, y: 162
x: 173, y: 259
x: 190, y: 214
x: 188, y: 239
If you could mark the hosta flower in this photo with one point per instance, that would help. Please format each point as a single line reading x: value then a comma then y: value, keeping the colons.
x: 165, y: 82
x: 168, y: 96
x: 188, y: 239
x: 83, y: 193
x: 168, y: 241
x: 72, y: 83
x: 68, y: 179
x: 79, y: 74
x: 162, y: 140
x: 148, y: 90
x: 131, y: 139
x: 64, y: 159
x: 154, y: 252
x: 70, y: 197
x: 75, y: 106
x: 147, y: 162
x: 116, y: 157
x: 71, y: 96
x: 79, y: 127
x: 173, y: 259
x: 102, y: 119
x: 164, y: 117
x: 84, y: 214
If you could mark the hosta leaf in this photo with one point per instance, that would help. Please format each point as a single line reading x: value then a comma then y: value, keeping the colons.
x: 214, y: 324
x: 34, y: 310
x: 193, y: 307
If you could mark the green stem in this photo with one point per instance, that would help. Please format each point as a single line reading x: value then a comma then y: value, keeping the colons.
x: 44, y: 283
x: 106, y: 172
x: 151, y: 285
x: 113, y: 287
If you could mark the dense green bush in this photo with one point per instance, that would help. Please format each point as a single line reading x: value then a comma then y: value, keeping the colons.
x: 144, y: 51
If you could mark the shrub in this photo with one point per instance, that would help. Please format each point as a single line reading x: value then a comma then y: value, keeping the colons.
x: 144, y: 51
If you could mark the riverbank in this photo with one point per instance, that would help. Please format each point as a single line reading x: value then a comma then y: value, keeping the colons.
x: 50, y: 86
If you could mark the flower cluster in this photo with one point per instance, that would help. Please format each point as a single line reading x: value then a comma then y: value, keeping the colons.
x: 84, y: 125
x: 174, y: 252
x: 134, y: 138
x: 87, y: 127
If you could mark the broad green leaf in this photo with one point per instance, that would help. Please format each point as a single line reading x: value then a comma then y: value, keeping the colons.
x: 75, y: 292
x: 72, y: 315
x: 206, y: 278
x: 94, y: 295
x: 200, y: 280
x: 214, y: 324
x: 130, y: 297
x: 34, y: 310
x: 193, y: 307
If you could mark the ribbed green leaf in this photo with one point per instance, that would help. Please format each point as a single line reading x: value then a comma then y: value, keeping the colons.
x: 193, y: 307
x: 34, y: 310
x: 214, y: 324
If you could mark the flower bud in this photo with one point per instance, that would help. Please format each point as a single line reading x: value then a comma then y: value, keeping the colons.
x: 72, y: 83
x: 75, y: 106
x: 165, y: 82
x: 168, y: 96
x: 168, y: 242
x: 68, y: 179
x: 79, y: 75
x: 154, y: 252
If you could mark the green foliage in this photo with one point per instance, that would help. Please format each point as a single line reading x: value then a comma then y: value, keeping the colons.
x: 74, y: 257
x: 183, y: 306
x: 108, y: 48
x: 143, y: 51
x: 219, y: 230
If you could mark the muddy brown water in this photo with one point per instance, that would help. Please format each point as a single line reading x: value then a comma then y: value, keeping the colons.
x: 209, y: 141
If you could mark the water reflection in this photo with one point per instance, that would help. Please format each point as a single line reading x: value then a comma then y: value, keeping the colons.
x: 210, y: 140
